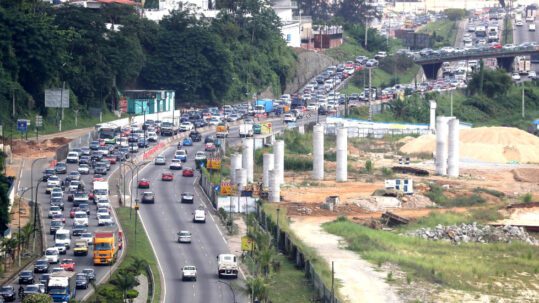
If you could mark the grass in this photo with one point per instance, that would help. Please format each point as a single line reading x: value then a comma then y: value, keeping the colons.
x: 50, y: 125
x: 468, y: 266
x: 140, y: 248
x: 445, y: 31
x: 349, y: 50
x: 289, y: 284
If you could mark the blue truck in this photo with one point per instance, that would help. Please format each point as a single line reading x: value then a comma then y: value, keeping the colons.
x: 263, y: 107
x: 61, y: 286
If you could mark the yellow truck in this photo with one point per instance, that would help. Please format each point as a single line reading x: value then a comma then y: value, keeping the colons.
x: 105, y: 248
x: 221, y: 130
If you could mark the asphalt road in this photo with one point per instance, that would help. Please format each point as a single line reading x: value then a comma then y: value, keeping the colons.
x: 43, y: 202
x: 167, y: 216
x: 521, y: 34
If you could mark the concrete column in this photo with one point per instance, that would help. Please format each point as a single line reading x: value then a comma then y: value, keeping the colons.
x: 278, y: 150
x: 432, y: 124
x: 241, y: 177
x: 441, y: 145
x: 342, y: 155
x: 235, y: 163
x: 318, y: 152
x: 268, y: 164
x: 275, y: 187
x: 453, y: 158
x: 248, y: 158
x: 301, y: 129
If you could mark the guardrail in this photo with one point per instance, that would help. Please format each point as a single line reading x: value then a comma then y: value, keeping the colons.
x: 486, y: 52
x: 151, y: 284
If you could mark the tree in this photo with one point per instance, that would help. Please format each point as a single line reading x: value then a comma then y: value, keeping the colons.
x: 257, y: 287
x: 26, y: 232
x: 37, y: 298
x: 138, y: 265
x: 493, y: 83
x: 124, y: 280
x: 369, y: 166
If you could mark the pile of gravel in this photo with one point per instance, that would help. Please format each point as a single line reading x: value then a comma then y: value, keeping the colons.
x: 474, y: 232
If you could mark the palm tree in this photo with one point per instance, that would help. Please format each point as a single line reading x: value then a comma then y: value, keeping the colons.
x: 9, y: 247
x: 257, y: 287
x: 138, y: 265
x: 125, y: 280
x: 26, y: 232
x: 264, y: 258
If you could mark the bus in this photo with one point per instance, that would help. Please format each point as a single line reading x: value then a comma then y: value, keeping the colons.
x: 108, y: 132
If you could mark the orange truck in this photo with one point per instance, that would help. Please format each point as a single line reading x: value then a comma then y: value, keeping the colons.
x: 105, y: 248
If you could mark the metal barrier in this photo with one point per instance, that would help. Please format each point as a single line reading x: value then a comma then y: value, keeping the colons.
x: 151, y: 285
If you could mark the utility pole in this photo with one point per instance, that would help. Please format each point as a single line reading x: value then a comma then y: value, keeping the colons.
x: 370, y: 94
x: 451, y: 108
x: 332, y: 281
x: 76, y: 117
x: 62, y: 98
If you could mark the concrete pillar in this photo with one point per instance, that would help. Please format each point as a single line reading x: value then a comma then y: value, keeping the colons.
x: 441, y: 145
x: 342, y: 155
x: 248, y: 158
x: 318, y: 152
x: 278, y: 150
x: 432, y: 124
x: 275, y: 187
x: 453, y: 158
x: 235, y: 163
x: 301, y: 129
x: 241, y: 177
x: 267, y: 165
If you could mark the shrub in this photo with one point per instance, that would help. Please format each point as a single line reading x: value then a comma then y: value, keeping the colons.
x: 298, y: 163
x: 369, y: 166
x: 491, y: 192
x: 527, y: 198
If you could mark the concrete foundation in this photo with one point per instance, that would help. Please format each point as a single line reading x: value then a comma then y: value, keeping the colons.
x: 441, y: 145
x: 235, y: 163
x: 248, y: 158
x: 275, y: 187
x: 278, y: 151
x: 241, y: 177
x: 453, y: 158
x: 267, y: 165
x: 342, y: 155
x: 432, y: 124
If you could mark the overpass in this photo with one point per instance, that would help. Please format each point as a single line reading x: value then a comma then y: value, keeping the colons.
x: 504, y: 56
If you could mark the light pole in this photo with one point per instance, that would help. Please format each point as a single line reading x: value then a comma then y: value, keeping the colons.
x: 32, y: 186
x: 35, y: 214
x: 278, y: 232
x: 136, y: 214
x: 23, y: 191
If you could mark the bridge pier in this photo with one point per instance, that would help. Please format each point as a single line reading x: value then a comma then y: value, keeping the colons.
x: 431, y: 70
x: 505, y: 63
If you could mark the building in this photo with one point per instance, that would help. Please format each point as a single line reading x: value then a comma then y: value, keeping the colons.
x: 404, y: 185
x: 138, y: 102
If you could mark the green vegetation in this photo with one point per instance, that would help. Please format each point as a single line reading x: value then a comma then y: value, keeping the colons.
x: 443, y: 32
x: 455, y: 14
x: 204, y: 61
x: 507, y: 31
x: 37, y: 298
x: 289, y: 284
x: 349, y: 50
x: 468, y: 266
x: 139, y: 255
x: 527, y: 198
x: 437, y: 195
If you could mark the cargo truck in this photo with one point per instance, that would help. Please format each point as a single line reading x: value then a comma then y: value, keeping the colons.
x: 524, y: 65
x: 221, y: 130
x: 61, y: 286
x: 100, y: 191
x: 105, y: 248
x: 263, y: 107
x: 246, y: 130
x: 227, y: 266
x: 168, y: 129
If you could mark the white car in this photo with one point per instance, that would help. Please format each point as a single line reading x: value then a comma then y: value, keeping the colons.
x: 53, y: 181
x: 103, y: 203
x: 200, y: 155
x: 214, y: 121
x: 189, y: 272
x: 72, y: 157
x: 186, y: 126
x: 74, y: 185
x: 57, y: 194
x: 61, y: 248
x: 175, y: 164
x: 289, y: 118
x: 122, y: 142
x: 160, y: 160
x: 63, y: 237
x: 532, y: 75
x: 184, y: 236
x: 515, y: 76
x: 84, y: 169
x: 199, y: 216
x: 52, y: 255
x: 81, y: 218
x: 88, y: 237
x: 519, y: 23
x: 102, y: 211
x: 104, y: 219
x: 54, y: 210
x: 152, y: 137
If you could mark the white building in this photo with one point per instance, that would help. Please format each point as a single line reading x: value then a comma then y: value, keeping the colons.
x: 200, y: 7
x: 291, y: 27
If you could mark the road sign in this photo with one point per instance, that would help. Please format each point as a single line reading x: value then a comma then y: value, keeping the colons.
x: 22, y: 125
x: 57, y: 98
x: 247, y: 244
x: 39, y: 121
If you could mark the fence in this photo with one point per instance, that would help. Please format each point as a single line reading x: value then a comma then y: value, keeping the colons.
x: 286, y: 245
x: 207, y: 187
x: 366, y: 132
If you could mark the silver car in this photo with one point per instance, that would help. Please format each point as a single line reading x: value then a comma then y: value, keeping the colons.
x: 184, y: 236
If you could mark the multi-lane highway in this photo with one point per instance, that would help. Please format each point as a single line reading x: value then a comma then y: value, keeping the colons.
x: 521, y: 34
x: 167, y: 216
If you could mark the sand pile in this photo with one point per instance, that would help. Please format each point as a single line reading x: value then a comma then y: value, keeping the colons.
x: 488, y: 144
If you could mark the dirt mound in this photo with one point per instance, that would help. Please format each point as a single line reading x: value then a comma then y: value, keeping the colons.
x: 526, y: 175
x: 489, y: 144
x: 34, y: 149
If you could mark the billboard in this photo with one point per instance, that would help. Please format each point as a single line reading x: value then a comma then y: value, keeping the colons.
x: 266, y: 128
x: 55, y: 97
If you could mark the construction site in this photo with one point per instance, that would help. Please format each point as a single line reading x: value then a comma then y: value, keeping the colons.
x: 393, y: 213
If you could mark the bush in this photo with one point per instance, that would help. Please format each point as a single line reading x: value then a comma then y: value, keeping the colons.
x: 298, y: 163
x: 491, y: 192
x: 527, y: 198
x: 37, y: 298
x: 387, y: 172
x: 436, y: 194
x: 131, y: 294
x: 455, y: 14
x: 369, y: 166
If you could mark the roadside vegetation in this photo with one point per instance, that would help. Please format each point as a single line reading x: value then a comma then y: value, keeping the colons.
x: 139, y: 255
x: 507, y: 31
x: 443, y: 32
x: 485, y: 268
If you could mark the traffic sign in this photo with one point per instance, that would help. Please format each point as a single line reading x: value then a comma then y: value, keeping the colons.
x: 39, y: 121
x: 22, y: 125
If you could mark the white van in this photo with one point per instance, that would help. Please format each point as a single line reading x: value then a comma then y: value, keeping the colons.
x: 63, y: 236
x: 72, y: 157
x: 52, y: 254
x: 199, y: 216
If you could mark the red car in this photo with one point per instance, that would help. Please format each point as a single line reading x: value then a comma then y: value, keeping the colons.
x: 73, y: 211
x: 167, y: 176
x: 68, y: 264
x: 99, y: 179
x: 210, y: 147
x: 144, y: 183
x: 112, y: 160
x: 188, y: 172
